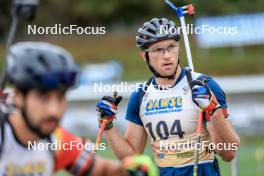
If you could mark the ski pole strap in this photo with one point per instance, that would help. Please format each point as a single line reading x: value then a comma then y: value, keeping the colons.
x: 189, y: 75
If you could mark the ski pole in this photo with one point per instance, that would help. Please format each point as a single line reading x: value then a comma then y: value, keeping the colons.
x: 181, y: 11
x: 20, y: 9
x: 101, y: 132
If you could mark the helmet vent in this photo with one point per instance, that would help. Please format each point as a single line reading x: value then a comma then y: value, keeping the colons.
x: 154, y: 24
x: 151, y: 31
x: 63, y: 60
x: 43, y: 61
x: 29, y: 71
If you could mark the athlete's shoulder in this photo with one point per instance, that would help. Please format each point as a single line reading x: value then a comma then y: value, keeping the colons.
x: 64, y: 157
x: 134, y: 103
x: 133, y: 107
x: 210, y: 81
x: 71, y: 149
x: 196, y: 75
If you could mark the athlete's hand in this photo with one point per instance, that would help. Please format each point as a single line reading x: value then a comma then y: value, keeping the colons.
x: 204, y: 98
x: 107, y: 109
x: 140, y: 165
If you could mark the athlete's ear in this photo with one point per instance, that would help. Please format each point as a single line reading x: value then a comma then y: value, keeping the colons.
x: 143, y: 55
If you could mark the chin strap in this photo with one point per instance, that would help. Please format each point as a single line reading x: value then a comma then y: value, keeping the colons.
x: 30, y: 126
x: 156, y: 74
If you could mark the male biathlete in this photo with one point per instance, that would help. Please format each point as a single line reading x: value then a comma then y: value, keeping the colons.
x: 41, y: 74
x: 165, y: 110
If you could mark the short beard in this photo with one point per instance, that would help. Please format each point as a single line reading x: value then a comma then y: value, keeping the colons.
x: 35, y: 129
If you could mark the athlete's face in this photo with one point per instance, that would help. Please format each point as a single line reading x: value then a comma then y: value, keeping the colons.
x: 44, y: 109
x: 163, y: 56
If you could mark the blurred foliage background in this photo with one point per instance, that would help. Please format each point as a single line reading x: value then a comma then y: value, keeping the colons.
x: 122, y: 13
x: 121, y: 19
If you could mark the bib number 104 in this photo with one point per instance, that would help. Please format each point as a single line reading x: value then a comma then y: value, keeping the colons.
x: 162, y: 126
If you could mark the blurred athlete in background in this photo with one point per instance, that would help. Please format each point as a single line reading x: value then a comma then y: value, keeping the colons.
x: 42, y: 73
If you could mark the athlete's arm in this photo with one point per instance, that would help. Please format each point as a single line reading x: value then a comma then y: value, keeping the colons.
x: 135, y: 138
x: 222, y: 132
x: 218, y: 124
x: 133, y: 142
x: 75, y: 154
x: 77, y: 157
